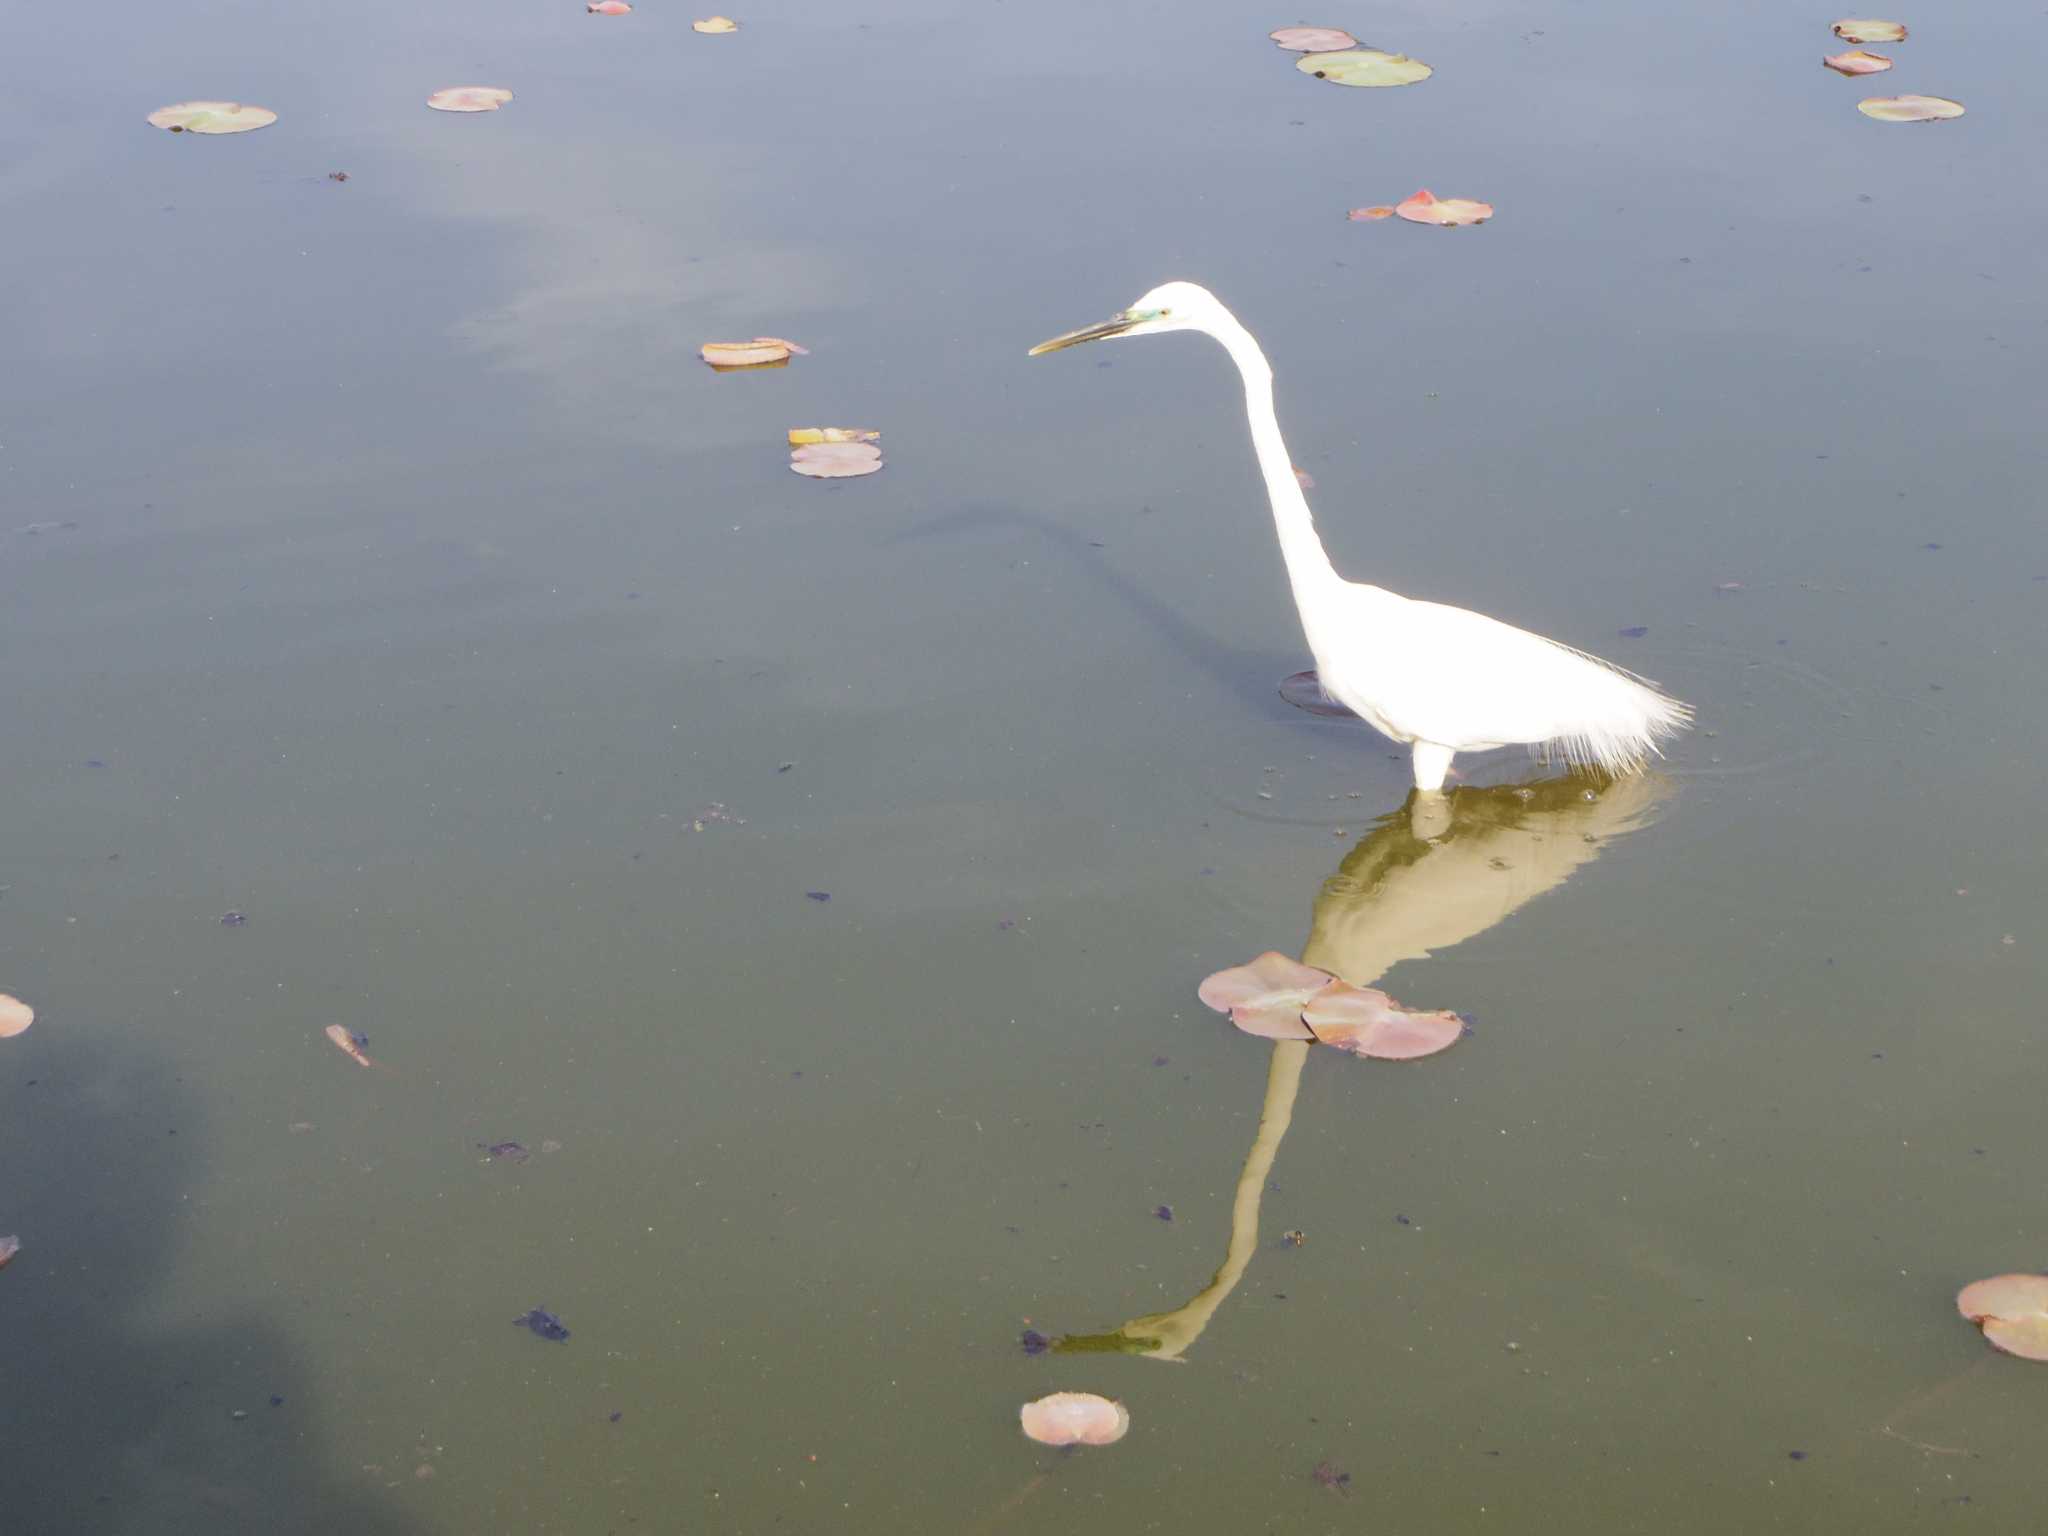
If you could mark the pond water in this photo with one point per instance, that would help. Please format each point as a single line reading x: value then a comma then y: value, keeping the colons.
x: 379, y: 563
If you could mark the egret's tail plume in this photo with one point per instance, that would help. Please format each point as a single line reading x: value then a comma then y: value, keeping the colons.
x: 1626, y: 729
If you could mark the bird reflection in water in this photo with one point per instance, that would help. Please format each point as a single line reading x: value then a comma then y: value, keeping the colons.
x: 1435, y: 873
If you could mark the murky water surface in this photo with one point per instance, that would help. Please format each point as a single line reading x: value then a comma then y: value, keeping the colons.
x: 378, y: 562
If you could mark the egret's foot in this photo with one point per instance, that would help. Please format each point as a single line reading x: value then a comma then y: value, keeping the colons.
x: 1432, y: 762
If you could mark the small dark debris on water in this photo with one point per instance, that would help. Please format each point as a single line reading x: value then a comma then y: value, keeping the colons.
x: 1930, y: 546
x: 544, y: 1323
x: 1034, y: 1342
x: 94, y: 762
x: 1163, y: 1212
x: 506, y: 1151
x: 1796, y: 1455
x: 614, y: 1416
x: 1160, y: 1061
x: 1329, y: 1476
x: 1634, y: 632
x: 819, y: 895
x: 1293, y: 1237
x: 233, y: 919
x: 1403, y: 1219
x: 337, y: 175
x: 785, y: 767
x: 276, y: 1400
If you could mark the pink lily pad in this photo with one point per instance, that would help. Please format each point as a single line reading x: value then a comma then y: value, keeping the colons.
x: 1075, y: 1418
x: 469, y: 98
x: 1425, y: 207
x: 9, y: 1247
x: 607, y: 7
x: 2013, y: 1312
x: 835, y: 461
x: 1313, y: 39
x: 1266, y: 997
x: 1304, y: 690
x: 1862, y: 30
x: 1857, y: 62
x: 1367, y: 1022
x: 15, y: 1016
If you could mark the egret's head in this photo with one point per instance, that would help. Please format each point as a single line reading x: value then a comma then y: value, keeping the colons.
x: 1169, y: 307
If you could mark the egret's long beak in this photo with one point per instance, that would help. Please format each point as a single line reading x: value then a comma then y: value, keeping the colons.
x: 1116, y: 325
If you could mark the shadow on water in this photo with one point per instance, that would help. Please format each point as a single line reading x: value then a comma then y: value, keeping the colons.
x: 1440, y: 870
x: 1251, y: 674
x: 116, y: 1418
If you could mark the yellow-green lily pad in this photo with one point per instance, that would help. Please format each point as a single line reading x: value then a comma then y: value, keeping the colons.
x: 1909, y: 109
x: 1364, y: 66
x: 212, y: 117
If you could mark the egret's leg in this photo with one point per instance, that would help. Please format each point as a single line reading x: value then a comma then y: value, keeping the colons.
x: 1432, y: 762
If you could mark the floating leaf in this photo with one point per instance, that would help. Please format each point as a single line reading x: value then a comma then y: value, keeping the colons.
x: 352, y: 1043
x: 1304, y: 690
x: 1377, y: 211
x: 1364, y: 66
x: 1367, y: 1022
x: 1266, y: 997
x: 2012, y: 1310
x: 1909, y: 109
x: 1425, y: 207
x: 1857, y: 62
x: 1855, y: 31
x: 212, y: 117
x: 1075, y: 1418
x: 798, y: 436
x: 835, y: 461
x: 9, y: 1247
x: 716, y: 24
x: 15, y: 1016
x: 469, y: 98
x: 759, y: 352
x: 1312, y: 39
x: 607, y: 7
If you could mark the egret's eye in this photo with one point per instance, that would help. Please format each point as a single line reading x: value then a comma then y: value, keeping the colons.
x: 1164, y: 313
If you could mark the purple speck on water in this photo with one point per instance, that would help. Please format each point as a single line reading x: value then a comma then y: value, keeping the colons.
x: 1796, y: 1455
x: 1163, y: 1212
x: 1160, y: 1061
x: 93, y: 762
x: 1034, y: 1342
x: 276, y: 1400
x: 233, y: 920
x: 1634, y: 632
x: 615, y: 1416
x: 819, y: 895
x: 1403, y: 1220
x: 1006, y: 924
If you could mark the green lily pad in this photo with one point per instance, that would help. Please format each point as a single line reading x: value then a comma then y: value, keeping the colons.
x: 1364, y: 66
x: 212, y: 117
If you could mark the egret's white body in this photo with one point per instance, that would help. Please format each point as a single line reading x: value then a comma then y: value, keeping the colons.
x: 1443, y: 680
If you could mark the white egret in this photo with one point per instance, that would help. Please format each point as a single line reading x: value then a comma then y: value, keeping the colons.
x: 1444, y: 680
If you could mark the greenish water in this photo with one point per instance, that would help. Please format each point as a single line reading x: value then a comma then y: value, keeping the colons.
x: 414, y: 591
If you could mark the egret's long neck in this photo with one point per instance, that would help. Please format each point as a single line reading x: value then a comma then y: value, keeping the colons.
x: 1308, y: 566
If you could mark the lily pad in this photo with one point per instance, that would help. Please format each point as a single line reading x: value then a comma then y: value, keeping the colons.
x: 607, y: 7
x: 798, y: 436
x: 212, y: 117
x: 715, y: 24
x: 2013, y: 1312
x: 1377, y: 211
x: 1313, y: 39
x: 1265, y: 998
x: 1364, y: 66
x: 469, y: 98
x: 15, y: 1016
x: 9, y: 1247
x: 1367, y: 1022
x: 1909, y: 109
x: 1425, y: 207
x: 1304, y: 690
x: 1856, y: 30
x: 1075, y: 1418
x: 1857, y: 62
x: 760, y: 352
x: 835, y: 461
